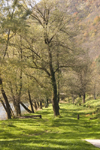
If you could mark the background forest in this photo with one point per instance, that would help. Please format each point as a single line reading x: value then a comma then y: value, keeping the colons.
x: 49, y: 51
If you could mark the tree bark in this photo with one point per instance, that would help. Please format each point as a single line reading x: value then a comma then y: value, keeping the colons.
x: 30, y: 101
x: 8, y: 109
x: 58, y: 84
x: 40, y: 104
x: 35, y: 105
x: 17, y: 106
x: 15, y: 101
x: 26, y: 108
x: 94, y: 95
x: 55, y: 102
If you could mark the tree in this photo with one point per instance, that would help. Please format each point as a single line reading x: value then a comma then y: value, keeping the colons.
x: 48, y: 31
x: 39, y: 45
x: 83, y: 72
x: 4, y: 40
x: 11, y: 24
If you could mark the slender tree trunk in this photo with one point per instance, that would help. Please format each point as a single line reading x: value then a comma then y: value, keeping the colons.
x: 30, y: 101
x: 26, y: 108
x: 83, y: 97
x: 13, y: 97
x: 8, y: 109
x: 94, y: 95
x: 94, y: 92
x: 35, y: 105
x: 73, y: 98
x: 19, y: 90
x: 79, y: 95
x: 4, y: 106
x: 40, y: 104
x: 46, y: 103
x: 68, y: 99
x: 58, y: 84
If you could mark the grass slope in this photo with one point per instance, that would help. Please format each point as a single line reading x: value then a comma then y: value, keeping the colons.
x: 49, y: 133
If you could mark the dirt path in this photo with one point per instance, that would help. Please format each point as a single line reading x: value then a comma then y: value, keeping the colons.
x: 96, y: 143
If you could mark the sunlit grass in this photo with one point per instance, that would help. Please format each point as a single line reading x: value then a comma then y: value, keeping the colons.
x: 93, y: 102
x: 49, y: 133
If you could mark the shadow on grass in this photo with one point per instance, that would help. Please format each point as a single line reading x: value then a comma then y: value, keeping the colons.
x: 50, y: 133
x: 46, y: 145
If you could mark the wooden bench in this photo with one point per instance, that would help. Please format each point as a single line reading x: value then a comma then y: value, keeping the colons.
x: 34, y: 116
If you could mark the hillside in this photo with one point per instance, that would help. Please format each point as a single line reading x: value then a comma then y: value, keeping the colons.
x: 86, y: 14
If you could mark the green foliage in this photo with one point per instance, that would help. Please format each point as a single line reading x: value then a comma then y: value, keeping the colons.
x: 15, y: 2
x: 38, y: 31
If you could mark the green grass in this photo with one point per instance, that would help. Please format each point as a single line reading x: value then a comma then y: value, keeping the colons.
x: 94, y: 103
x: 49, y: 133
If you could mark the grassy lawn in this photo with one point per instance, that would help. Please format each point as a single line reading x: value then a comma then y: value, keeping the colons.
x: 49, y: 133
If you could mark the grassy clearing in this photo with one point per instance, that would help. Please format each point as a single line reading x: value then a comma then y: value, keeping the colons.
x: 49, y: 133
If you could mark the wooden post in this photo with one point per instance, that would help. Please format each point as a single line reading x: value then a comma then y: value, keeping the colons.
x: 78, y: 117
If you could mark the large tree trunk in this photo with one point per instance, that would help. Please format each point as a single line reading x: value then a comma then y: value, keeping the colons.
x: 16, y: 103
x: 47, y: 41
x: 30, y: 101
x: 8, y: 108
x: 17, y: 106
x: 55, y: 102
